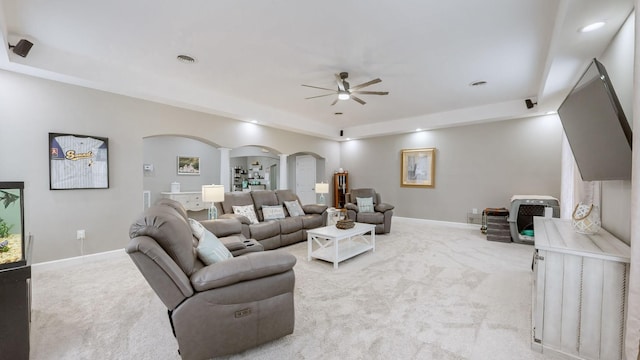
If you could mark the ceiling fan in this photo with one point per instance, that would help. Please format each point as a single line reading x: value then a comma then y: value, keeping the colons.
x: 345, y: 92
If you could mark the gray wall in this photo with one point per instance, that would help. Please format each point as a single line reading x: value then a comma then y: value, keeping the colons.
x: 477, y: 166
x: 616, y: 195
x: 30, y: 108
x: 162, y: 152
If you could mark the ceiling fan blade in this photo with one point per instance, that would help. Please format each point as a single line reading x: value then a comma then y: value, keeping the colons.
x: 334, y: 102
x: 321, y: 88
x: 371, y: 82
x: 358, y: 100
x: 371, y: 92
x: 313, y: 97
x: 339, y: 81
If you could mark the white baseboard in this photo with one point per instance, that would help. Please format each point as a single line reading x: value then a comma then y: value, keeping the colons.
x: 73, y: 261
x: 439, y: 222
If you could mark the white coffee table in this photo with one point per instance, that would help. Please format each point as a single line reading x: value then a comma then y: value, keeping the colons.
x: 334, y: 245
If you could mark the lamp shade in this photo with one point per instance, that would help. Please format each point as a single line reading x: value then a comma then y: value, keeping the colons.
x: 322, y: 188
x: 213, y: 193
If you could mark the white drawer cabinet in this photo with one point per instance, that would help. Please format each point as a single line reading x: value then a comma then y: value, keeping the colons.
x: 191, y: 200
x: 579, y: 291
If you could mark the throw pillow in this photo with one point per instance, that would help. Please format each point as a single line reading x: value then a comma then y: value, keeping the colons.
x: 294, y: 208
x: 246, y: 210
x: 196, y: 228
x: 211, y: 250
x: 365, y: 205
x: 272, y: 212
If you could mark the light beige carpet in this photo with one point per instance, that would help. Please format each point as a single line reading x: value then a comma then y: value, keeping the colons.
x: 429, y: 291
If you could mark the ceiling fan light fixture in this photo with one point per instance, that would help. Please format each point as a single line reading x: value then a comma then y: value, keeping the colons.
x: 344, y: 95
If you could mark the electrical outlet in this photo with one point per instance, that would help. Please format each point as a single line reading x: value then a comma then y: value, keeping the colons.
x: 80, y: 235
x: 474, y: 211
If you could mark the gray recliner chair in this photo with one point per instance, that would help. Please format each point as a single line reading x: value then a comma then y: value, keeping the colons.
x: 380, y: 215
x: 219, y: 309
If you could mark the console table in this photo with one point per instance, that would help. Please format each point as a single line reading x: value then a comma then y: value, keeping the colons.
x: 191, y: 200
x: 579, y: 291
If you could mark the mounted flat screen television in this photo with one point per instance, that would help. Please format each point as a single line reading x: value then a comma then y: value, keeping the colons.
x: 597, y: 130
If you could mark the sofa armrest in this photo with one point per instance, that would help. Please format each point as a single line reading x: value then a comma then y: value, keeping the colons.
x: 314, y: 208
x: 223, y: 227
x: 247, y: 267
x: 351, y: 206
x: 243, y: 219
x: 234, y: 242
x: 383, y: 207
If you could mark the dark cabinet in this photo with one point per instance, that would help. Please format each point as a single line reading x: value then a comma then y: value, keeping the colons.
x: 15, y: 311
x: 340, y: 189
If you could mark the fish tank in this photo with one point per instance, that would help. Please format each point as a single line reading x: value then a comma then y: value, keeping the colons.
x: 12, y: 239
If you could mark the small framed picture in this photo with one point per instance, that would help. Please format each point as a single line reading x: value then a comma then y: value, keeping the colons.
x: 188, y: 165
x: 418, y: 168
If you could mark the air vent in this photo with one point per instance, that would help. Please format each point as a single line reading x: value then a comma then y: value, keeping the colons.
x: 478, y: 83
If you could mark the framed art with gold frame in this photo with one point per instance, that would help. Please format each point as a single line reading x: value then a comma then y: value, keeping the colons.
x: 418, y: 167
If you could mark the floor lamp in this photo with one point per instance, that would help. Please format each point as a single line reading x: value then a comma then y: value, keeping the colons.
x: 322, y: 188
x: 213, y: 194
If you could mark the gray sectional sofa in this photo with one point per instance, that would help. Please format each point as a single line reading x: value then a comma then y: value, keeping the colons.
x: 272, y: 234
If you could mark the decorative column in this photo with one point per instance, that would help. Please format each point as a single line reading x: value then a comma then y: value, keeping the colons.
x: 632, y: 337
x: 225, y: 169
x: 282, y: 184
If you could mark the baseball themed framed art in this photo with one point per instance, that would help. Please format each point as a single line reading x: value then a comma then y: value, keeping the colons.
x: 78, y: 162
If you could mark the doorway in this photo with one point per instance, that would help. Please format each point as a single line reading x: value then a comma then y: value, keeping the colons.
x: 306, y: 179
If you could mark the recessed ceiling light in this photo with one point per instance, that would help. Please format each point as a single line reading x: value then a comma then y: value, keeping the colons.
x: 591, y: 27
x: 478, y: 83
x: 186, y: 59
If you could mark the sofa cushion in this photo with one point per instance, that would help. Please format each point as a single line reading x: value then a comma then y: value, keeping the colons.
x: 370, y: 218
x: 196, y: 228
x: 290, y: 224
x: 294, y: 208
x: 211, y: 250
x: 265, y: 229
x: 363, y: 193
x: 365, y: 205
x: 262, y: 198
x: 246, y: 210
x: 272, y: 212
x: 237, y: 198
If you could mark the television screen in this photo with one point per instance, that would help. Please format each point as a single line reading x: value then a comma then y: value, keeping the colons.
x: 597, y: 130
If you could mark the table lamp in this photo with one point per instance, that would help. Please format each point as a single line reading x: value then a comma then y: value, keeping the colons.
x: 213, y: 194
x: 322, y: 188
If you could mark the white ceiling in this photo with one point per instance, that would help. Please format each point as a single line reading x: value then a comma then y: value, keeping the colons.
x: 254, y: 55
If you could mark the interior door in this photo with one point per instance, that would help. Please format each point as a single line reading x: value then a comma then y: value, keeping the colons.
x: 306, y: 179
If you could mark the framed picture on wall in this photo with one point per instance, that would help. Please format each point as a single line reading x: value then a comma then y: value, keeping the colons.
x: 188, y: 165
x: 78, y: 162
x: 418, y: 167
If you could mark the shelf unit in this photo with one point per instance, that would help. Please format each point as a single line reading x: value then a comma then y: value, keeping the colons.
x: 340, y: 189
